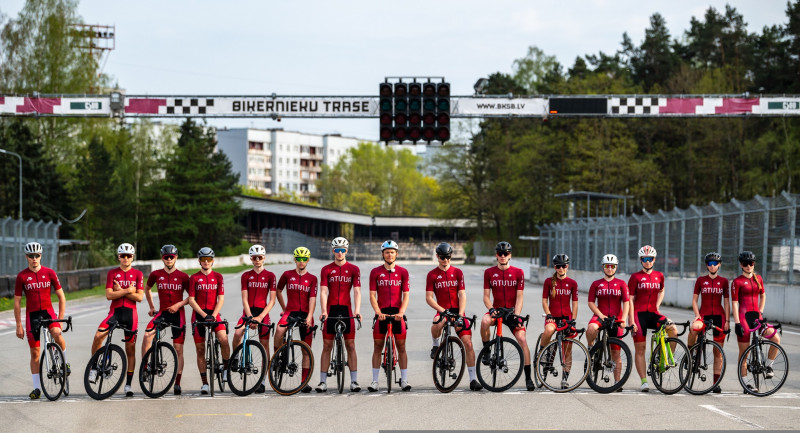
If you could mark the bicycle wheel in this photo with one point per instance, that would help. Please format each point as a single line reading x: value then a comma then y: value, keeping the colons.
x: 609, y: 372
x: 562, y: 369
x: 286, y: 368
x: 448, y: 364
x: 158, y: 369
x: 701, y: 375
x: 504, y: 367
x: 388, y: 363
x: 536, y: 380
x: 52, y: 371
x: 211, y: 360
x: 670, y: 375
x: 339, y: 363
x: 111, y: 370
x: 757, y: 356
x: 219, y: 372
x: 247, y: 367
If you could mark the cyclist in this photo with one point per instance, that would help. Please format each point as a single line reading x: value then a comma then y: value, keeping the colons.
x: 608, y: 296
x: 258, y: 298
x: 206, y: 296
x: 337, y: 279
x: 446, y: 283
x: 749, y: 298
x: 559, y: 298
x: 713, y: 292
x: 646, y: 291
x: 124, y: 288
x: 37, y: 282
x: 502, y: 288
x: 388, y: 295
x: 170, y: 283
x: 301, y: 298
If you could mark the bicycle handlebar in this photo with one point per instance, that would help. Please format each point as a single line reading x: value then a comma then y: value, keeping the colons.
x: 250, y: 319
x: 210, y: 324
x: 389, y: 317
x: 685, y: 327
x: 45, y: 322
x: 342, y: 319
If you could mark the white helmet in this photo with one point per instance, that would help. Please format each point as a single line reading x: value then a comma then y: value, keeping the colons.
x: 33, y: 248
x: 647, y: 251
x: 340, y: 242
x: 610, y: 259
x: 390, y: 245
x: 126, y: 249
x: 257, y: 250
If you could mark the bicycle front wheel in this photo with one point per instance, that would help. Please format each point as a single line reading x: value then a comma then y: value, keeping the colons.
x: 158, y: 369
x: 339, y: 363
x: 247, y: 367
x: 500, y: 365
x: 448, y: 364
x: 211, y: 362
x: 609, y: 371
x: 564, y: 368
x: 670, y: 373
x: 388, y: 364
x: 110, y: 369
x: 52, y: 371
x: 764, y: 378
x: 290, y: 367
x: 219, y: 372
x: 535, y: 356
x: 705, y: 356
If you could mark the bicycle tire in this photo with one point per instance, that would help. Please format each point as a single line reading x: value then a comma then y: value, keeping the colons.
x: 562, y: 367
x: 161, y: 360
x: 210, y: 361
x: 52, y: 371
x: 602, y: 369
x: 339, y: 363
x: 219, y: 372
x: 780, y: 368
x: 664, y: 375
x: 116, y: 362
x: 246, y: 371
x: 536, y: 380
x: 509, y: 353
x: 284, y: 368
x: 388, y: 365
x: 449, y: 359
x: 697, y: 383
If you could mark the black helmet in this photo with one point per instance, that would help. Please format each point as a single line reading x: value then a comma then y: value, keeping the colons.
x: 169, y: 249
x: 713, y: 256
x: 205, y: 252
x: 503, y: 247
x: 444, y: 249
x: 747, y: 256
x: 560, y: 259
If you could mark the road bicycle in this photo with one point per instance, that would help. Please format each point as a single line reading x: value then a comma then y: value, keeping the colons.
x: 449, y: 359
x: 764, y: 362
x: 339, y: 356
x: 107, y: 367
x: 290, y: 360
x: 610, y: 358
x: 214, y: 366
x: 249, y: 360
x: 669, y: 359
x: 554, y: 363
x: 707, y: 359
x: 389, y: 362
x: 53, y: 374
x: 501, y: 359
x: 160, y: 363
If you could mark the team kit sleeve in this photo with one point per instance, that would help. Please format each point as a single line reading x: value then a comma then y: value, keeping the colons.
x: 548, y: 283
x: 520, y: 280
x: 110, y: 279
x: 190, y: 287
x: 139, y: 281
x: 574, y: 290
x: 625, y: 292
x: 244, y: 280
x: 697, y: 286
x: 151, y: 279
x: 632, y: 285
x: 282, y: 282
x: 734, y: 291
x: 461, y: 284
x: 593, y: 292
x: 323, y: 276
x: 429, y: 282
x: 18, y: 285
x: 221, y: 289
x: 405, y: 283
x: 313, y: 289
x: 356, y: 276
x: 726, y: 290
x: 373, y: 284
x: 487, y: 284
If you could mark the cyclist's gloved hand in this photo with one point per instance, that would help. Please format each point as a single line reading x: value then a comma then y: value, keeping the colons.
x: 210, y: 318
x: 739, y: 330
x: 491, y: 311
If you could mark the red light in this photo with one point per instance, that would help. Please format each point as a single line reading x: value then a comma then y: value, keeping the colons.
x: 443, y: 119
x: 415, y: 119
x: 386, y: 119
x: 414, y: 134
x: 400, y: 118
x: 429, y: 133
x: 443, y: 134
x: 400, y: 134
x: 386, y: 133
x: 429, y: 118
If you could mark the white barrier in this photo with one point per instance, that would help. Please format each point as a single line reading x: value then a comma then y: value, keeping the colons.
x: 219, y: 262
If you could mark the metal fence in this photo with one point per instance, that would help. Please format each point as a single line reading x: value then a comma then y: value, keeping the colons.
x: 682, y: 237
x: 14, y: 234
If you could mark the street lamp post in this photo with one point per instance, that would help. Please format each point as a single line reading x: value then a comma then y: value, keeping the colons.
x: 20, y: 180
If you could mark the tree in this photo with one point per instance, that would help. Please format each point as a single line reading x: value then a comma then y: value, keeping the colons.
x: 654, y: 61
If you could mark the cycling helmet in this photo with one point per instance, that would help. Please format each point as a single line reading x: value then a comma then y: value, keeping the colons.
x: 169, y: 249
x: 389, y: 245
x: 560, y: 259
x: 610, y: 259
x: 340, y: 242
x: 301, y: 252
x: 205, y: 252
x: 444, y: 249
x: 33, y: 248
x: 257, y: 250
x: 503, y: 247
x: 126, y: 249
x: 713, y: 256
x: 647, y: 251
x: 747, y: 256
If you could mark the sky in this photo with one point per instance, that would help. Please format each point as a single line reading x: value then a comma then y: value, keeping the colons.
x: 347, y: 47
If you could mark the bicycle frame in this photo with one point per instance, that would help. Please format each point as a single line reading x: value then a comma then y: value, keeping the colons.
x: 667, y: 358
x: 245, y: 359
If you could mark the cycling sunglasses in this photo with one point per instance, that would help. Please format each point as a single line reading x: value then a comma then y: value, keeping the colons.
x: 339, y: 250
x: 168, y: 257
x: 301, y: 259
x: 712, y: 263
x: 610, y: 266
x: 125, y: 256
x: 34, y: 256
x: 749, y: 263
x: 561, y: 266
x: 444, y: 257
x: 503, y: 254
x: 648, y: 259
x: 206, y: 259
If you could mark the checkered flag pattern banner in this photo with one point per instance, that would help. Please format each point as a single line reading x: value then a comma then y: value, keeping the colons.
x: 187, y: 106
x: 636, y: 105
